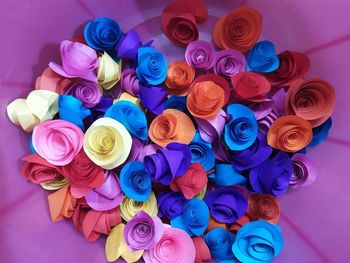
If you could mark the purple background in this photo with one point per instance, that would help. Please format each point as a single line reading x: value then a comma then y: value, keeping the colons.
x: 315, y: 219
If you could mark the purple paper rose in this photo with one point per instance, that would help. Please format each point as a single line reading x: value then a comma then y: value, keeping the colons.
x: 129, y: 82
x: 229, y: 62
x: 88, y: 92
x: 200, y: 55
x: 304, y: 171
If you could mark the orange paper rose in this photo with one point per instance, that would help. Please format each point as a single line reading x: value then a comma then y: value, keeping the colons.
x: 61, y: 204
x: 264, y: 207
x: 179, y: 77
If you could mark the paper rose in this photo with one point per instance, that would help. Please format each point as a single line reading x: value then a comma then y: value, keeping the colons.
x: 131, y: 116
x: 229, y: 62
x: 152, y: 66
x: 129, y: 46
x: 242, y: 130
x: 107, y: 143
x: 312, y: 100
x: 273, y: 175
x: 211, y: 130
x: 200, y: 55
x: 219, y: 242
x: 262, y: 57
x: 320, y: 133
x: 102, y: 34
x: 170, y: 204
x: 61, y: 204
x: 129, y: 82
x: 87, y: 92
x: 202, y: 152
x: 227, y: 204
x: 179, y: 77
x: 171, y: 126
x: 109, y: 71
x: 175, y: 246
x: 304, y: 171
x: 135, y: 181
x: 289, y: 133
x: 226, y: 175
x: 263, y: 207
x: 177, y: 103
x: 168, y: 163
x: 78, y: 61
x: 57, y: 141
x: 143, y: 231
x: 239, y: 30
x: 258, y: 241
x: 194, y: 218
x: 153, y: 98
x: 37, y: 170
x: 108, y: 196
x: 202, y: 250
x: 50, y: 80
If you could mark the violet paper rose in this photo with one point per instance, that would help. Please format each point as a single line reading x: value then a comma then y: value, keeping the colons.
x: 129, y: 82
x: 200, y: 55
x: 87, y: 92
x: 304, y: 171
x: 170, y: 204
x: 229, y: 62
x: 153, y: 98
x: 143, y: 231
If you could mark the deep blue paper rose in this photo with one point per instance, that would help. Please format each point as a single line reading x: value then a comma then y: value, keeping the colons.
x: 170, y: 204
x: 71, y: 109
x: 242, y: 130
x: 226, y: 175
x: 194, y: 218
x: 131, y: 116
x: 135, y: 182
x: 103, y: 34
x: 177, y: 103
x: 153, y: 98
x: 320, y: 133
x: 152, y: 66
x: 258, y: 242
x: 273, y: 175
x: 219, y: 242
x: 202, y: 152
x: 262, y: 57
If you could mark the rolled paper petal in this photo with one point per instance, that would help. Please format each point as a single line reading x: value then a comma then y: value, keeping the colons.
x: 57, y: 141
x: 262, y: 108
x: 50, y: 80
x: 139, y: 150
x: 133, y: 119
x: 262, y: 57
x: 43, y: 104
x: 87, y: 92
x: 200, y: 55
x: 116, y: 246
x: 152, y: 66
x: 222, y: 153
x: 175, y: 246
x: 127, y: 97
x: 239, y: 223
x: 253, y: 156
x: 129, y: 82
x: 107, y: 143
x: 55, y: 185
x: 20, y: 115
x: 266, y: 122
x: 240, y: 29
x: 143, y: 231
x: 108, y: 72
x: 179, y: 78
x: 254, y: 236
x: 153, y: 98
x: 78, y: 61
x: 312, y: 100
x: 227, y: 204
x: 202, y: 152
x: 212, y: 129
x: 264, y: 207
x: 226, y: 175
x: 192, y: 182
x: 215, y: 224
x: 170, y: 204
x: 273, y: 175
x: 129, y: 46
x: 37, y: 170
x: 167, y: 163
x: 194, y: 218
x: 177, y: 103
x: 108, y: 196
x: 229, y: 62
x: 304, y: 171
x: 130, y: 207
x: 135, y: 181
x: 72, y: 109
x: 61, y: 204
x: 219, y: 242
x: 171, y: 126
x: 289, y: 133
x: 320, y: 133
x: 242, y: 130
x: 202, y: 250
x: 249, y: 86
x: 293, y: 65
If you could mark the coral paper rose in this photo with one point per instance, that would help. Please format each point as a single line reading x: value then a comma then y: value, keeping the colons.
x: 263, y: 207
x: 179, y: 77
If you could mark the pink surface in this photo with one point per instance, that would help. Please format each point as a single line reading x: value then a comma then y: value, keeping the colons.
x: 315, y: 219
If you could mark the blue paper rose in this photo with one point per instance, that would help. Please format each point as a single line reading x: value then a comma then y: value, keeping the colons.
x: 219, y: 242
x: 177, y: 103
x: 135, y: 182
x: 131, y: 116
x: 258, y: 242
x: 242, y: 130
x: 226, y: 175
x: 262, y: 57
x: 202, y: 152
x: 152, y: 66
x: 194, y: 218
x: 320, y: 133
x: 170, y: 204
x: 103, y: 34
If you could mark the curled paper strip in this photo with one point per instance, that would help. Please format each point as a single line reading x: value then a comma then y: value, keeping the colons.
x: 108, y: 72
x: 177, y: 103
x: 202, y: 152
x: 202, y: 250
x: 304, y: 171
x: 130, y: 45
x: 139, y: 150
x: 49, y: 80
x: 262, y: 57
x: 61, y: 204
x: 129, y: 82
x: 229, y: 62
x: 226, y: 175
x: 200, y: 55
x: 264, y: 207
x: 153, y: 98
x: 20, y: 115
x: 55, y: 185
x: 219, y: 242
x: 127, y: 97
x: 179, y: 78
x: 212, y: 129
x: 320, y: 133
x: 266, y: 122
x: 87, y: 92
x: 170, y: 204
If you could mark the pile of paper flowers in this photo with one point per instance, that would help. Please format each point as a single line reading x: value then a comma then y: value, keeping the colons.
x: 178, y: 162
